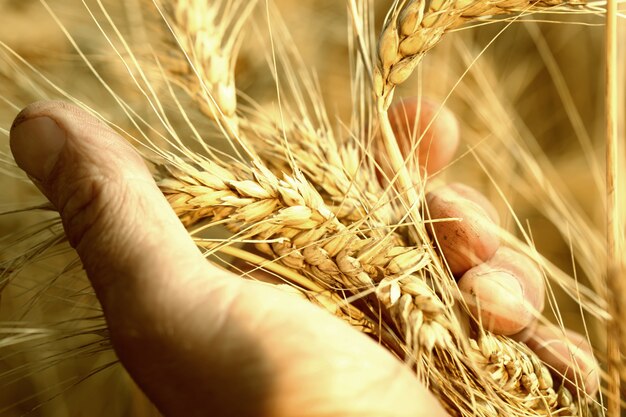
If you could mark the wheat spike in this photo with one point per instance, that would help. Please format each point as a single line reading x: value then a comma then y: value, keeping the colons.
x: 207, y: 34
x: 267, y: 207
x: 415, y: 26
x: 339, y: 172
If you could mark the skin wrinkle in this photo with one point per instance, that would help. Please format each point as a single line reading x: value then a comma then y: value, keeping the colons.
x: 503, y: 271
x: 512, y: 280
x: 159, y: 291
x: 481, y: 282
x: 527, y: 273
x: 86, y: 221
x: 226, y: 296
x: 462, y: 191
x: 81, y: 210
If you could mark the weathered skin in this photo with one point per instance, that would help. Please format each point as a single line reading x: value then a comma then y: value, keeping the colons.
x: 467, y: 242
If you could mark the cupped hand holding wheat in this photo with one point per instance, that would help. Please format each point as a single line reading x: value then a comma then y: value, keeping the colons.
x: 194, y: 337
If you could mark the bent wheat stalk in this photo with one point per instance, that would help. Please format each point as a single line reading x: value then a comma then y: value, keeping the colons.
x: 415, y: 26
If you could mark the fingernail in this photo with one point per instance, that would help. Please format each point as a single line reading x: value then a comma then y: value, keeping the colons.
x: 502, y: 288
x: 36, y: 144
x: 497, y: 298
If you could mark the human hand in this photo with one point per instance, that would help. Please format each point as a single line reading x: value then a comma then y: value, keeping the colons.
x: 503, y: 288
x: 196, y: 339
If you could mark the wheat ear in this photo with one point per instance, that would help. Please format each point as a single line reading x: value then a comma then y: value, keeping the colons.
x: 415, y: 26
x: 207, y: 34
x: 340, y: 172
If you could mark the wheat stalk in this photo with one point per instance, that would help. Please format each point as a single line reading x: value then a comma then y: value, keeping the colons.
x: 615, y: 227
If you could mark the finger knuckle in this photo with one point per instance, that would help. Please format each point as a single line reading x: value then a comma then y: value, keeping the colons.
x: 85, y: 207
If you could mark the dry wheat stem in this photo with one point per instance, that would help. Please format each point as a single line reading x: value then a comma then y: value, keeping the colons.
x: 615, y: 265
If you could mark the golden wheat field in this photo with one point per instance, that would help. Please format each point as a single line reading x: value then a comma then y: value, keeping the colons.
x: 268, y: 125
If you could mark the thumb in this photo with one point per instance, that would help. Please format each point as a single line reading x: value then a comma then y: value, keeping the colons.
x: 149, y: 276
x: 105, y: 195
